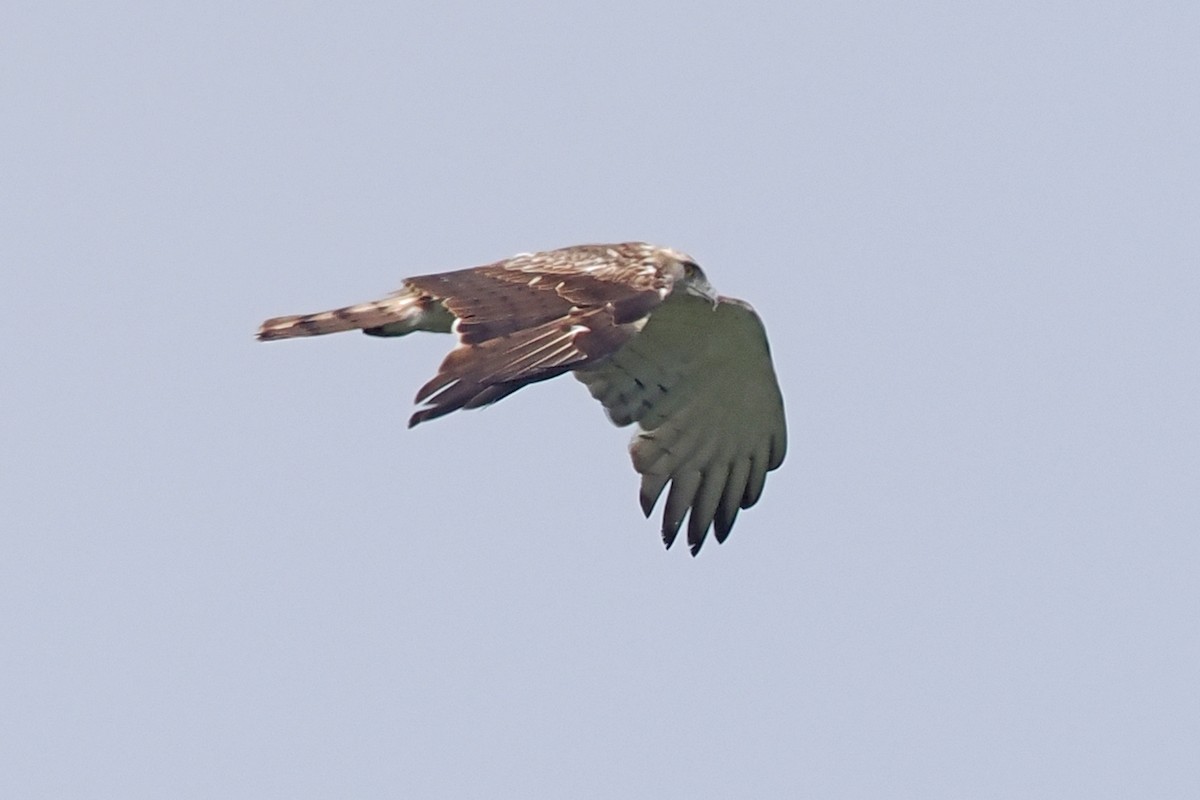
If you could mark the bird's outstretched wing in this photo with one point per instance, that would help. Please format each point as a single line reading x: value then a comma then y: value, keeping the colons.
x: 531, y: 318
x: 699, y: 383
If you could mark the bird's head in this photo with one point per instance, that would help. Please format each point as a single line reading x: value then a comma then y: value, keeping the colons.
x: 688, y: 276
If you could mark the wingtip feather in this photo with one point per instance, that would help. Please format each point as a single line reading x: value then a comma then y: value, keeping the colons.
x: 652, y: 487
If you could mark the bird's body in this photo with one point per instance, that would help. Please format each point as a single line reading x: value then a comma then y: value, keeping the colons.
x: 640, y: 326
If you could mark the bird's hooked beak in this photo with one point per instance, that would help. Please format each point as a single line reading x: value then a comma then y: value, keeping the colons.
x: 702, y: 288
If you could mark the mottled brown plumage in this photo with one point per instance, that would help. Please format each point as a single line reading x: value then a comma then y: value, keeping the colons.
x: 640, y: 326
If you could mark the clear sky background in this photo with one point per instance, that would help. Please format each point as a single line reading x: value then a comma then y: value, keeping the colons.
x: 228, y: 571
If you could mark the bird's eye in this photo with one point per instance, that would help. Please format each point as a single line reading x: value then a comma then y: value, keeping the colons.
x: 690, y: 268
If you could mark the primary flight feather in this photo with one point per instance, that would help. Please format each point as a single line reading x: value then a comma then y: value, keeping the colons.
x: 640, y: 326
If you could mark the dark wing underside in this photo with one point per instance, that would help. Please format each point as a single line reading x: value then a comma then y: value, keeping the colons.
x: 533, y: 317
x: 699, y: 383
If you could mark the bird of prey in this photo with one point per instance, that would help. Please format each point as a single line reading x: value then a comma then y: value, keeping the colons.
x: 640, y: 326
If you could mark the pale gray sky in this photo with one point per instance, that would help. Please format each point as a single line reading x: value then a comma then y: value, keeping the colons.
x: 228, y: 571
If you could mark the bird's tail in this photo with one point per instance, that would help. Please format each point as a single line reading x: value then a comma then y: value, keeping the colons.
x: 395, y: 315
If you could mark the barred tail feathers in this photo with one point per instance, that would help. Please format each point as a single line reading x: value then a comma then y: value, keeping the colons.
x: 396, y: 315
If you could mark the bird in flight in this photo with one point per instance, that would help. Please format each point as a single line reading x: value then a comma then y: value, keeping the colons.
x: 640, y: 326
